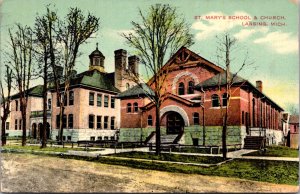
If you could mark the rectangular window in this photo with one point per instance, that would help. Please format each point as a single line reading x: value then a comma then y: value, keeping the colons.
x: 99, y: 124
x: 105, y: 122
x: 112, y: 137
x: 7, y: 126
x: 64, y: 121
x: 105, y: 137
x: 100, y: 138
x: 16, y: 124
x: 57, y: 101
x: 71, y: 98
x: 99, y: 100
x: 20, y: 124
x: 64, y: 138
x: 91, y: 99
x: 106, y: 101
x: 112, y: 102
x: 91, y: 121
x: 17, y: 104
x: 92, y: 138
x: 112, y: 123
x: 70, y: 121
x: 57, y: 121
x: 243, y: 118
x: 69, y: 138
x: 49, y: 104
x: 65, y: 99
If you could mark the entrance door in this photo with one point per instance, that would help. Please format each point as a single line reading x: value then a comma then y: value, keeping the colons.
x: 175, y: 123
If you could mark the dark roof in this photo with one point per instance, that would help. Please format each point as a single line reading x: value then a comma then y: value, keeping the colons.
x: 138, y: 90
x: 219, y: 79
x: 34, y: 91
x: 96, y: 53
x: 294, y: 119
x: 94, y: 79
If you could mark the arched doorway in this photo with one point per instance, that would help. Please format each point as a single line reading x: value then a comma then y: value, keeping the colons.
x: 34, y: 130
x: 174, y: 122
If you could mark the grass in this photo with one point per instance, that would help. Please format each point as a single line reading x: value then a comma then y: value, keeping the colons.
x: 279, y: 172
x: 276, y: 151
x: 37, y: 148
x: 200, y: 150
x: 171, y: 157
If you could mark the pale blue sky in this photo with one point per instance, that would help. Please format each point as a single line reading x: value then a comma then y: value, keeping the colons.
x: 274, y: 49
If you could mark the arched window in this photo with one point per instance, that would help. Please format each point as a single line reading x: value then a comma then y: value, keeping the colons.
x: 225, y: 99
x: 129, y: 107
x: 215, y: 100
x: 181, y: 88
x: 135, y: 107
x: 150, y: 121
x: 191, y: 87
x: 196, y: 118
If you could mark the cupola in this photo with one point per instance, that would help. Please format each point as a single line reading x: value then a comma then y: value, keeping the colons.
x: 97, y: 60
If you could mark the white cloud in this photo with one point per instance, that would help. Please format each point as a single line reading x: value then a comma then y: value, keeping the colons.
x: 211, y: 27
x: 246, y: 33
x: 280, y: 42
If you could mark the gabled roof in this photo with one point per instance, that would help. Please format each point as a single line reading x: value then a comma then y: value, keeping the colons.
x: 294, y: 119
x: 220, y: 80
x: 138, y: 90
x: 36, y: 91
x: 95, y: 79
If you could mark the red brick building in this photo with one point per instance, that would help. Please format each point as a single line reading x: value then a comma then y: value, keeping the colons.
x: 194, y: 85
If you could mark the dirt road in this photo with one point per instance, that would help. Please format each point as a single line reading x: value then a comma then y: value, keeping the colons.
x: 30, y: 173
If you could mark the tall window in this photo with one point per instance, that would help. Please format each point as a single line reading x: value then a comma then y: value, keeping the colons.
x: 91, y: 99
x: 127, y: 86
x: 57, y: 121
x: 20, y: 124
x: 91, y: 121
x: 253, y: 113
x: 65, y: 99
x: 191, y: 87
x: 105, y: 122
x: 71, y: 98
x: 64, y: 121
x: 196, y: 118
x: 57, y: 101
x: 7, y: 126
x: 224, y: 99
x: 112, y: 122
x: 106, y: 101
x: 99, y: 100
x: 135, y: 107
x: 70, y: 121
x: 17, y: 104
x: 215, y: 100
x: 129, y: 107
x: 49, y: 104
x: 112, y: 102
x: 99, y: 124
x: 150, y: 121
x: 16, y: 124
x: 181, y: 88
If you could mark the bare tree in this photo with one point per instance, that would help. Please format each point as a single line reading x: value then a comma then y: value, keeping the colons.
x: 72, y: 32
x: 226, y: 45
x: 161, y: 32
x: 20, y: 59
x: 45, y: 46
x: 293, y: 109
x: 5, y: 83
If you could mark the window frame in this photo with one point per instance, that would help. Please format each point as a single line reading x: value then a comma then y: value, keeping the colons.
x: 106, y: 101
x: 91, y: 99
x: 105, y: 122
x: 150, y: 120
x: 196, y: 118
x: 99, y: 100
x: 71, y: 98
x: 112, y: 123
x: 181, y: 88
x: 99, y: 122
x: 70, y: 121
x: 215, y: 99
x: 224, y: 99
x: 128, y: 108
x: 112, y: 102
x: 135, y: 107
x: 191, y: 85
x: 16, y: 124
x: 91, y: 121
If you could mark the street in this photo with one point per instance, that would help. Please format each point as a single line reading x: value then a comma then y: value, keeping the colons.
x: 32, y: 173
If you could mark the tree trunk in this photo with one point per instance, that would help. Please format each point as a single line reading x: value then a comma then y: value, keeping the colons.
x: 3, y: 136
x: 157, y: 129
x: 224, y: 131
x: 44, y: 132
x: 24, y: 127
x: 61, y: 130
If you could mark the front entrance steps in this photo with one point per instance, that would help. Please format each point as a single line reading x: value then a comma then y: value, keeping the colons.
x: 166, y: 139
x: 254, y: 142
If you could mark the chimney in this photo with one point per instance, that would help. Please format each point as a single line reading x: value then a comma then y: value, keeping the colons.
x: 120, y: 59
x: 259, y: 85
x: 133, y: 64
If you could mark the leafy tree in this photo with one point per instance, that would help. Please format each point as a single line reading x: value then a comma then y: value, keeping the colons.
x: 160, y: 33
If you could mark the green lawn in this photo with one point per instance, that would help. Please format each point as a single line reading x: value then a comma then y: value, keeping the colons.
x: 37, y: 148
x: 280, y: 172
x: 171, y: 157
x: 276, y: 151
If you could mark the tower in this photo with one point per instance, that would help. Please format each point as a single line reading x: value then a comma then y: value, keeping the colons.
x: 96, y: 60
